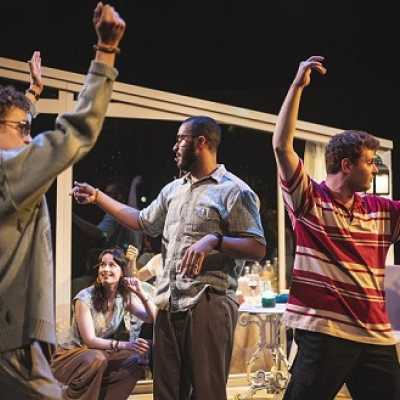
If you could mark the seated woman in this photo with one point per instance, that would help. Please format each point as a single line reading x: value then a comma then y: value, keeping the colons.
x: 92, y: 363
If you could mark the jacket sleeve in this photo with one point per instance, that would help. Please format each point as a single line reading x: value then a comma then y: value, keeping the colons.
x: 30, y: 170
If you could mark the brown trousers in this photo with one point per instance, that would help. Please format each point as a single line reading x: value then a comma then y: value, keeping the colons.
x: 25, y: 374
x: 192, y: 350
x: 96, y: 374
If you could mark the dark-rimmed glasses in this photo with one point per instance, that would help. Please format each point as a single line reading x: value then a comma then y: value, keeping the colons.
x: 180, y: 138
x: 23, y: 126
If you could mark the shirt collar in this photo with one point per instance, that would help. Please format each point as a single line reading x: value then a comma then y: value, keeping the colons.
x: 358, y: 199
x: 217, y: 175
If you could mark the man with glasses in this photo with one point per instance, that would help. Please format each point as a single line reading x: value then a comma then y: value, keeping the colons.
x: 27, y: 169
x: 24, y: 127
x: 337, y: 297
x: 210, y: 224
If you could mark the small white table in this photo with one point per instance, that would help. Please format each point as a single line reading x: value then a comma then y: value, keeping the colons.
x: 272, y: 337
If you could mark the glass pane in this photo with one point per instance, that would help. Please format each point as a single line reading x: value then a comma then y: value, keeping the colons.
x: 127, y: 148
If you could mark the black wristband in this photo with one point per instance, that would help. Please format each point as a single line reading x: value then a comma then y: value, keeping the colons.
x: 220, y: 237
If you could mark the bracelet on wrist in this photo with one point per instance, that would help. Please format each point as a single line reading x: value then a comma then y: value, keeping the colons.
x: 107, y: 49
x: 96, y: 195
x: 35, y: 94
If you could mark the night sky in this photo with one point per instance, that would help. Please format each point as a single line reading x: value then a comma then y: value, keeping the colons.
x: 243, y: 53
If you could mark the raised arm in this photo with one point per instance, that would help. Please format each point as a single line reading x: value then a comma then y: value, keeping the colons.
x: 131, y: 254
x: 110, y: 28
x: 141, y: 304
x: 282, y: 139
x: 36, y: 83
x: 75, y: 133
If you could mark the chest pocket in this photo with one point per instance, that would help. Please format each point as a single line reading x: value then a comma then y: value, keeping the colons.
x: 205, y: 219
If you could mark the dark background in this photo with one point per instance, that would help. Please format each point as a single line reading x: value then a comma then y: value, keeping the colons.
x: 242, y: 53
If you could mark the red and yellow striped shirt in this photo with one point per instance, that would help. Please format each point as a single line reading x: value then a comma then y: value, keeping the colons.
x: 337, y: 285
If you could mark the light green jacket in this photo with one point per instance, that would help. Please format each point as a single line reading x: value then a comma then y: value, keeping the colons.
x: 26, y: 260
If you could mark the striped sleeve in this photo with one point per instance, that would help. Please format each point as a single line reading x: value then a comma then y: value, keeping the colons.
x: 297, y: 192
x: 395, y: 220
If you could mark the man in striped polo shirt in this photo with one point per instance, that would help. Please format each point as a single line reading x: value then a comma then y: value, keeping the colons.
x: 337, y: 300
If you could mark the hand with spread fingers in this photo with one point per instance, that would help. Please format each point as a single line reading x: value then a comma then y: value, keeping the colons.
x: 303, y: 76
x: 35, y: 69
x: 193, y: 259
x: 133, y: 284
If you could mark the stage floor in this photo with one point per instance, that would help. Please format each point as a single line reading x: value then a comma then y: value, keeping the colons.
x: 231, y: 393
x: 237, y: 385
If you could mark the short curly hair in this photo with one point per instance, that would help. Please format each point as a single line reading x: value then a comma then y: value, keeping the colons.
x: 205, y: 126
x: 10, y: 97
x: 347, y: 144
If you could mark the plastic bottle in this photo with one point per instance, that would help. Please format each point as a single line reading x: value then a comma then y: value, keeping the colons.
x: 275, y: 275
x: 267, y: 272
x: 256, y: 268
x: 267, y: 276
x: 243, y: 283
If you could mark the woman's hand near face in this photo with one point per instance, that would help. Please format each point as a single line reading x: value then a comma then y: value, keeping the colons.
x: 143, y: 309
x: 133, y: 284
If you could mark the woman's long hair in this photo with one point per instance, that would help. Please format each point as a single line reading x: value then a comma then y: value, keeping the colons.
x: 99, y: 296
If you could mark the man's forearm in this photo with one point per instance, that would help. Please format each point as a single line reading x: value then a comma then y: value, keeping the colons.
x: 125, y: 215
x: 243, y: 248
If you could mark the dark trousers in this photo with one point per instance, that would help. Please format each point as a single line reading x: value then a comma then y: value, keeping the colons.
x: 96, y: 374
x: 192, y: 350
x: 324, y: 363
